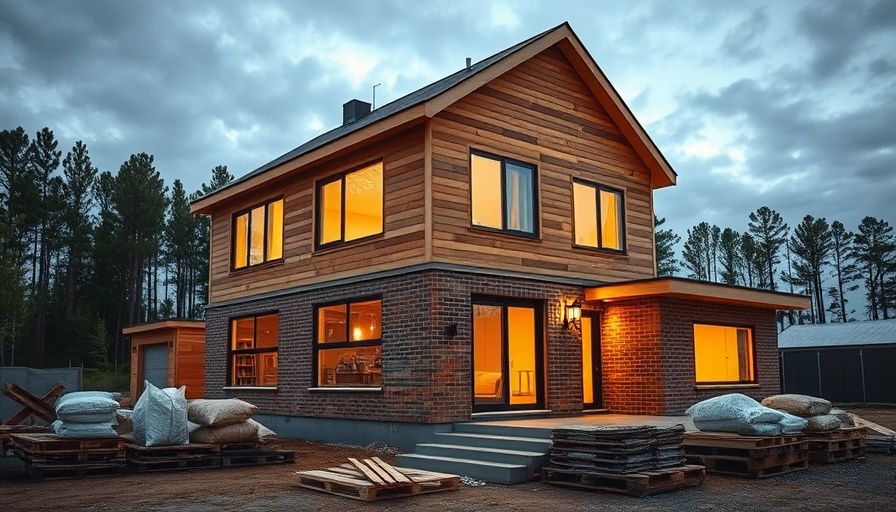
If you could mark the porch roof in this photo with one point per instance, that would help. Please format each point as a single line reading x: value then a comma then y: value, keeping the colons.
x: 700, y: 291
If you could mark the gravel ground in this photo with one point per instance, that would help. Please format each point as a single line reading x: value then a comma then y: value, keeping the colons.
x: 864, y: 485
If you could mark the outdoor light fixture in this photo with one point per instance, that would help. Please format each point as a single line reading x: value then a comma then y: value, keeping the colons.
x: 572, y: 315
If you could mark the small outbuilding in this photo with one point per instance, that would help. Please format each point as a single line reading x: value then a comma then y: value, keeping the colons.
x: 842, y: 362
x: 168, y: 353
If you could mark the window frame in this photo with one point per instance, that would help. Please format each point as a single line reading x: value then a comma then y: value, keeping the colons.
x: 317, y: 346
x: 318, y: 211
x: 753, y: 359
x: 598, y: 188
x: 536, y: 197
x: 265, y: 241
x: 256, y: 351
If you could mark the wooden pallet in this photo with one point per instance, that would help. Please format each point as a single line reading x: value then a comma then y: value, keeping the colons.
x: 747, y: 456
x: 837, y: 445
x: 173, y: 457
x: 643, y: 483
x: 46, y: 447
x: 372, y: 479
x: 58, y: 470
x: 230, y: 458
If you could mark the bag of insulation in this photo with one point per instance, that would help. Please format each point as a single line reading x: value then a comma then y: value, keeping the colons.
x: 736, y: 413
x: 160, y: 417
x: 801, y: 405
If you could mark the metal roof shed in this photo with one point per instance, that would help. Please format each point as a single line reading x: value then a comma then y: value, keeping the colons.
x: 843, y: 362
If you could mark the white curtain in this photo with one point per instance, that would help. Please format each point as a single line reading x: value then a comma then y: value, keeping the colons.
x: 520, y: 198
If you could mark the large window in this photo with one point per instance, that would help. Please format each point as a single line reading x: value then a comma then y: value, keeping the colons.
x: 348, y: 342
x: 723, y: 355
x: 253, y: 350
x: 258, y: 235
x: 350, y: 206
x: 599, y: 216
x: 503, y: 194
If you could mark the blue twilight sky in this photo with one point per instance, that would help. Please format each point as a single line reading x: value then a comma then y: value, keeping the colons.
x: 786, y: 104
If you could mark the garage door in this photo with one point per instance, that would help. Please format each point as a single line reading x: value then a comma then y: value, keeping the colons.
x: 155, y: 364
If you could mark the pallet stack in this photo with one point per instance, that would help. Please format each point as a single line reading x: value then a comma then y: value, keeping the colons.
x: 837, y: 445
x: 202, y: 456
x: 373, y: 479
x: 635, y: 460
x: 51, y: 456
x: 745, y: 455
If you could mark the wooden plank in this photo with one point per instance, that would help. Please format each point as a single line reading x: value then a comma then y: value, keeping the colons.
x: 369, y: 473
x: 388, y: 468
x: 33, y: 404
x: 634, y: 484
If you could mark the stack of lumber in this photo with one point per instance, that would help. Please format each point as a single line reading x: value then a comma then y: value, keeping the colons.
x: 51, y: 456
x: 634, y: 460
x: 837, y: 445
x: 373, y: 479
x: 879, y: 439
x: 626, y: 449
x: 747, y: 455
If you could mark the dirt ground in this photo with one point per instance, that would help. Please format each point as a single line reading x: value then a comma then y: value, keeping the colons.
x: 868, y: 484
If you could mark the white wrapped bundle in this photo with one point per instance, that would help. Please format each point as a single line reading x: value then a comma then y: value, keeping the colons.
x: 737, y: 413
x: 160, y: 417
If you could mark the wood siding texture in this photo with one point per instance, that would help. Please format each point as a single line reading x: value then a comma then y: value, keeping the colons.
x: 186, y: 359
x: 401, y: 244
x: 541, y: 112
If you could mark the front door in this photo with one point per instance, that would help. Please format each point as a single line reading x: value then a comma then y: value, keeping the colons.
x: 592, y: 394
x: 507, y: 355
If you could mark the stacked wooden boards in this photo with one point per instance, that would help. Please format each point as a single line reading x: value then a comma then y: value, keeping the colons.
x: 635, y: 460
x: 49, y: 456
x: 373, y: 479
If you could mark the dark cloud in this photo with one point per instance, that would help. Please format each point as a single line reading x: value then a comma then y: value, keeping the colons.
x: 741, y: 43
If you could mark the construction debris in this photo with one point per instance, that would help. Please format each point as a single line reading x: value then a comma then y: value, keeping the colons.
x: 879, y: 438
x: 373, y: 479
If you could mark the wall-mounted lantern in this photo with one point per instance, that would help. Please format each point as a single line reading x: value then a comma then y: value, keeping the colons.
x: 572, y: 315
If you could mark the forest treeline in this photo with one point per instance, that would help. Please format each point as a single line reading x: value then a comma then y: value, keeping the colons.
x: 826, y: 261
x: 84, y: 253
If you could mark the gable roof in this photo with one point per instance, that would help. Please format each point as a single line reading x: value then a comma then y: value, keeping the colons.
x: 877, y: 332
x: 435, y: 97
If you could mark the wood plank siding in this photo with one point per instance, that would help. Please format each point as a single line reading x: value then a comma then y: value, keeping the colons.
x: 542, y: 113
x: 401, y: 244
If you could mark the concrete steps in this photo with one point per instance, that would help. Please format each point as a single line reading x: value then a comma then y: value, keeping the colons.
x: 492, y: 453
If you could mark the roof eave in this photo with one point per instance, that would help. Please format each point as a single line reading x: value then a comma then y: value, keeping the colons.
x: 700, y: 291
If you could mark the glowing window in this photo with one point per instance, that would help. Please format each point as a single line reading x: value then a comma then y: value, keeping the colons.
x: 258, y: 235
x: 253, y: 350
x: 503, y: 194
x: 350, y: 206
x: 723, y: 354
x: 598, y: 215
x: 347, y: 344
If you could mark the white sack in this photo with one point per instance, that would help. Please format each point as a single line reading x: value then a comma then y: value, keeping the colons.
x: 219, y: 412
x: 737, y: 413
x: 822, y: 423
x: 84, y: 430
x: 243, y: 432
x: 801, y: 405
x: 792, y: 424
x: 160, y: 417
x: 85, y: 402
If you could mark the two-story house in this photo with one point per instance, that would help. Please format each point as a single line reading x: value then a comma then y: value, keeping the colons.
x: 483, y: 244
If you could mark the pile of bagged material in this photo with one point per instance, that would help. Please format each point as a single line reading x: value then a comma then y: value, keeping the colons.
x: 819, y: 414
x: 86, y: 414
x: 160, y: 417
x: 228, y: 420
x: 741, y: 414
x: 617, y: 449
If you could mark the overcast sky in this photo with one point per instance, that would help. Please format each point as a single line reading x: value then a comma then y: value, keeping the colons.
x: 785, y: 104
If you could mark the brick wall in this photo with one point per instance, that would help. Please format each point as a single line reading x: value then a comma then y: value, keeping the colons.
x: 426, y: 373
x: 647, y: 353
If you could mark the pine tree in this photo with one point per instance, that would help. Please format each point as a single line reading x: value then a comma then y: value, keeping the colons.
x: 811, y: 244
x: 769, y: 232
x: 731, y: 256
x: 875, y: 251
x: 845, y: 271
x: 666, y: 264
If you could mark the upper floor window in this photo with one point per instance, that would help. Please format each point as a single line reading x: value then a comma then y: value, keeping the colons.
x: 253, y: 350
x: 350, y: 206
x: 599, y: 216
x: 347, y: 343
x: 723, y: 354
x: 258, y: 235
x: 503, y: 194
